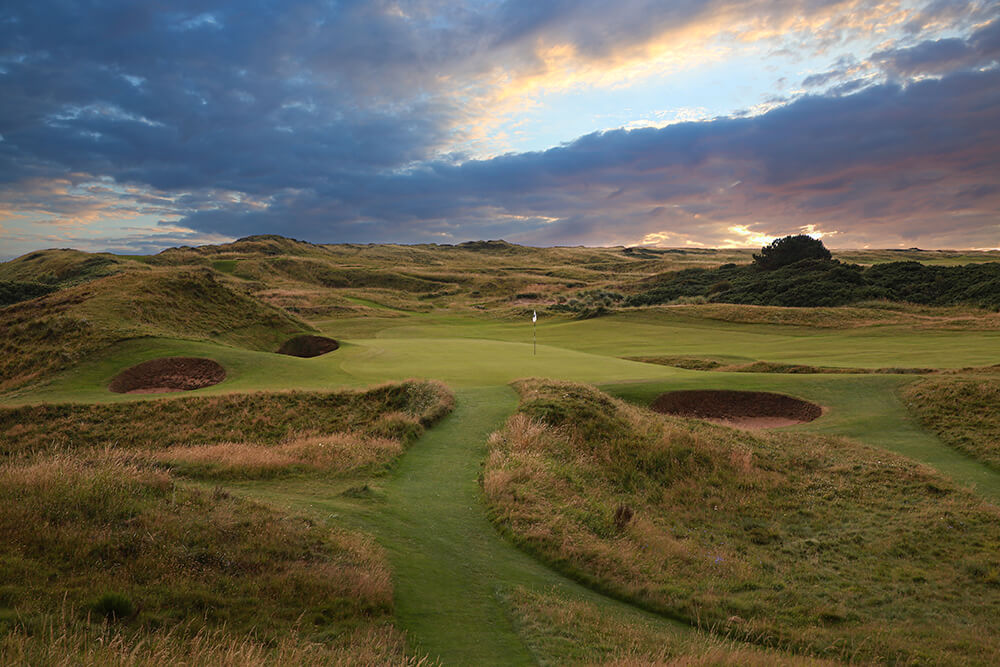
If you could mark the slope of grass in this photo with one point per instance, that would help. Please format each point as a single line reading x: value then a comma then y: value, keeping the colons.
x: 699, y: 364
x: 963, y: 411
x: 398, y: 411
x: 563, y: 630
x: 61, y: 268
x: 54, y: 331
x: 103, y: 540
x: 792, y: 540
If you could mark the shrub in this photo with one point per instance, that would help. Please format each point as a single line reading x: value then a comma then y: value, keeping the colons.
x: 788, y: 250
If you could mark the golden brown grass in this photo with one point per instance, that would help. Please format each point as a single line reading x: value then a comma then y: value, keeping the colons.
x: 75, y: 529
x: 69, y: 642
x: 398, y: 410
x: 335, y: 453
x: 818, y: 545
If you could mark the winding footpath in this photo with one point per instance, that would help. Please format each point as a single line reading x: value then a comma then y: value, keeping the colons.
x: 449, y: 563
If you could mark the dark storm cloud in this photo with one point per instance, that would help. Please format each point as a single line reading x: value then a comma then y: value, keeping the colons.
x: 981, y: 49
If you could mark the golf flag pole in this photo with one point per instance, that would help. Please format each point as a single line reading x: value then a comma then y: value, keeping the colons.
x: 534, y: 335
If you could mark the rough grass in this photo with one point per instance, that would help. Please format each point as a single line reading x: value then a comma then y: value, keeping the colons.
x: 68, y: 642
x: 702, y: 364
x: 57, y: 330
x: 818, y: 545
x: 963, y: 411
x: 333, y: 454
x: 396, y: 411
x: 565, y: 631
x: 865, y: 314
x: 74, y: 530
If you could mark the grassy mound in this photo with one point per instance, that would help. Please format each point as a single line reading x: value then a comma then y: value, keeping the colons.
x: 61, y: 268
x: 803, y: 542
x: 703, y: 364
x: 168, y: 374
x: 963, y: 411
x: 54, y: 331
x: 105, y: 541
x: 561, y: 630
x: 240, y: 435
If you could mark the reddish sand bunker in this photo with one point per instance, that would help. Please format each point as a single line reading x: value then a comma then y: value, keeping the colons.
x: 168, y: 374
x: 308, y: 346
x: 742, y: 409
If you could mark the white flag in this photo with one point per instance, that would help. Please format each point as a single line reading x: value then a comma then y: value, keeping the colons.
x: 534, y: 316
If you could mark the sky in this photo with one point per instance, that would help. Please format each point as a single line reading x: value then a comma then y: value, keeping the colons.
x: 132, y: 126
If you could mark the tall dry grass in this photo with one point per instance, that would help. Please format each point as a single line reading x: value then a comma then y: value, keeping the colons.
x: 68, y: 642
x: 331, y: 454
x: 76, y: 529
x: 398, y: 410
x: 813, y: 544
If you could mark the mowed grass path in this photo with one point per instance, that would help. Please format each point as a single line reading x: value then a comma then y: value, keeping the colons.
x: 450, y: 565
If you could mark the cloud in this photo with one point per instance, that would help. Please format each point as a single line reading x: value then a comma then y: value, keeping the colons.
x: 885, y: 164
x: 941, y: 56
x: 348, y: 121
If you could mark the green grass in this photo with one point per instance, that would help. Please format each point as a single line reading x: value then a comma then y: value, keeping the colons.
x: 451, y: 569
x: 563, y: 630
x: 963, y: 411
x: 751, y: 533
x: 117, y: 535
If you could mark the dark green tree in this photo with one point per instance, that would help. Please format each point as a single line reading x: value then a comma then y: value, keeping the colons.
x: 788, y: 250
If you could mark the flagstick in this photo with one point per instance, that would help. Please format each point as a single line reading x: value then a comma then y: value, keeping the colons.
x: 534, y: 334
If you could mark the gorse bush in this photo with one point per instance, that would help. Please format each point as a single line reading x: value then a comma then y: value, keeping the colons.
x: 789, y: 250
x: 12, y: 292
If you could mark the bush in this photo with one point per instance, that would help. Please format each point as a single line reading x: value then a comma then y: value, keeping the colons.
x: 788, y: 250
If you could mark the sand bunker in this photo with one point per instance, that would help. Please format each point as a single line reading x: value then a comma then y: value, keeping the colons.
x: 308, y: 346
x: 168, y: 374
x: 742, y: 409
